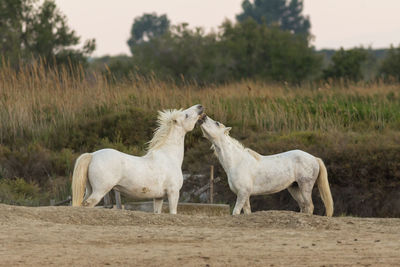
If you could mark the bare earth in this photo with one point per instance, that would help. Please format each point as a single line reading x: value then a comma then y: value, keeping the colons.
x: 66, y: 236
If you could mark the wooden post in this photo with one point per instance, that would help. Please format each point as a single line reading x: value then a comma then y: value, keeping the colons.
x: 118, y: 199
x: 107, y: 201
x: 211, y: 184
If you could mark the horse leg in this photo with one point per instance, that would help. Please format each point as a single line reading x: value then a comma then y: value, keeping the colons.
x: 157, y: 204
x: 306, y: 192
x: 173, y: 198
x: 240, y: 200
x: 88, y: 191
x: 96, y: 196
x: 93, y: 199
x: 296, y: 194
x: 246, y: 207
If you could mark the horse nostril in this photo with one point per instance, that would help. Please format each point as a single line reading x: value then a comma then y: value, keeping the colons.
x: 200, y: 109
x: 201, y: 119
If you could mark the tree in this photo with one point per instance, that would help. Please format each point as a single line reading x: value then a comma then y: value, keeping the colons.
x: 30, y: 30
x: 267, y: 53
x: 180, y: 53
x: 147, y: 27
x: 346, y: 64
x: 285, y: 14
x: 239, y: 51
x: 390, y: 66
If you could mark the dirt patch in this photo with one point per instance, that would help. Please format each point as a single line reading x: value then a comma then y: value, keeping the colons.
x: 70, y: 236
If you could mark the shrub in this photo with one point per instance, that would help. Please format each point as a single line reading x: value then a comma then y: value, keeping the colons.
x: 19, y: 192
x: 390, y: 66
x: 346, y: 65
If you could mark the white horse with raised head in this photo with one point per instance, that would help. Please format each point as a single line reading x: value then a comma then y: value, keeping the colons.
x: 152, y: 176
x: 250, y: 173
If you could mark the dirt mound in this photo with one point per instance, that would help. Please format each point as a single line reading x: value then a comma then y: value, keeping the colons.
x: 66, y: 236
x: 113, y: 217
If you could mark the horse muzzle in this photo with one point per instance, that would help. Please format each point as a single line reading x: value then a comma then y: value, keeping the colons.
x: 200, y: 109
x: 202, y: 119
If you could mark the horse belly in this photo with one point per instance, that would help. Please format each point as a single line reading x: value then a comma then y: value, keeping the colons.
x: 142, y: 189
x: 272, y: 181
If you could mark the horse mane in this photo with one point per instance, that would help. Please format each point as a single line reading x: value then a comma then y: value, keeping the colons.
x: 165, y: 121
x: 255, y: 154
x: 252, y: 153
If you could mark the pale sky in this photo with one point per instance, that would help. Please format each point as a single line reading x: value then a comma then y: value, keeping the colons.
x: 334, y: 23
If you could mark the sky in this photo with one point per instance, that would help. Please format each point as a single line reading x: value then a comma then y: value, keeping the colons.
x: 334, y: 23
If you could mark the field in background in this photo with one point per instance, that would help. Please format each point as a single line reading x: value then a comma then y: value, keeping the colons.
x: 48, y: 117
x: 35, y: 101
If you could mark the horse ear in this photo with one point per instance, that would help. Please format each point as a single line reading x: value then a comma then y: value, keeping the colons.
x: 227, y: 129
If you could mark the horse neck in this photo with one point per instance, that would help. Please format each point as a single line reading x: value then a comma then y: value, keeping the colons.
x: 228, y: 152
x: 173, y: 146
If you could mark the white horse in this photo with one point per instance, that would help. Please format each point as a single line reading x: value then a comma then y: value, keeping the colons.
x: 154, y: 175
x: 250, y: 173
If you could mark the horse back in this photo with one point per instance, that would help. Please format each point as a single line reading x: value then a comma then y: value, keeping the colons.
x: 280, y: 170
x: 112, y: 163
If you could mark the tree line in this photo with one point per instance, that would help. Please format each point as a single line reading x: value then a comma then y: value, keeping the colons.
x: 270, y: 40
x: 31, y: 30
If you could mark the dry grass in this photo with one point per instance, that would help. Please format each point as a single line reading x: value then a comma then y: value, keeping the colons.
x: 35, y: 100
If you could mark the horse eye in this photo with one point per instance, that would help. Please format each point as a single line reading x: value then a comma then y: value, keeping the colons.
x: 186, y: 116
x: 217, y: 123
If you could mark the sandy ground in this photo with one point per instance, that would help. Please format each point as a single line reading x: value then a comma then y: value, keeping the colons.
x: 66, y: 236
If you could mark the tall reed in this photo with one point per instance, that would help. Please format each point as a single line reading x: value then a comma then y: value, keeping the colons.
x: 35, y: 99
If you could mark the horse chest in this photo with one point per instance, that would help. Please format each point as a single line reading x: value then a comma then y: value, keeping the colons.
x: 238, y: 182
x: 231, y: 186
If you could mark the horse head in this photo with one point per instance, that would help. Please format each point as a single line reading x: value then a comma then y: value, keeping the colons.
x: 187, y: 118
x: 213, y: 130
x: 175, y: 121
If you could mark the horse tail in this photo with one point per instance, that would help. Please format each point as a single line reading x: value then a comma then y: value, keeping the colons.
x: 79, y: 178
x: 323, y: 187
